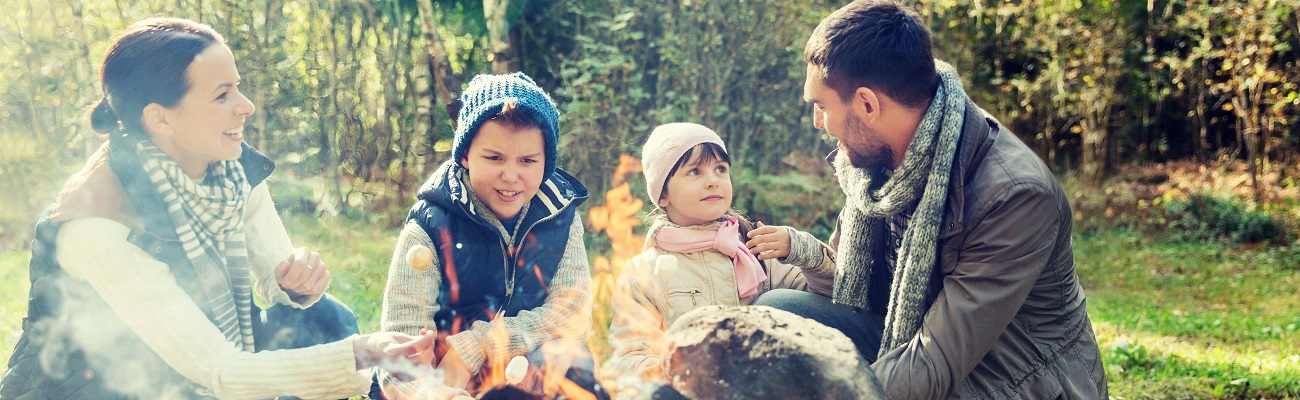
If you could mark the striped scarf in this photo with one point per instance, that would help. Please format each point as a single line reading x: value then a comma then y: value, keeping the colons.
x: 921, y: 180
x: 209, y: 220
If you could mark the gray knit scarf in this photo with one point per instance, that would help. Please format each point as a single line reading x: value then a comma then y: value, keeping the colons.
x: 923, y: 175
x: 209, y: 220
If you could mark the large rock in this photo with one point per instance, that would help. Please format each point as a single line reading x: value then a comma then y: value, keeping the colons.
x: 763, y: 353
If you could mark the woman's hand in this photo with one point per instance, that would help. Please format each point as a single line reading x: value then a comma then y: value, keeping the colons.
x: 303, y: 274
x: 768, y: 242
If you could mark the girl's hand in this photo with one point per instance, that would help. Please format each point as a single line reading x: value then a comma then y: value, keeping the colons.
x: 303, y: 274
x: 768, y: 242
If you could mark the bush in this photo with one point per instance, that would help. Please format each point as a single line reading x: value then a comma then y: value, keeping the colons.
x: 1205, y: 217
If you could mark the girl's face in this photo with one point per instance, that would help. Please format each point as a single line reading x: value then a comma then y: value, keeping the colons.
x: 207, y: 125
x: 505, y: 166
x: 699, y: 192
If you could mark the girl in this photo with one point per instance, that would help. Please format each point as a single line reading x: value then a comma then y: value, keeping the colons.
x: 695, y: 252
x: 143, y: 270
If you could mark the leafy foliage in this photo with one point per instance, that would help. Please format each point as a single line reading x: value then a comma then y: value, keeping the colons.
x: 1205, y: 217
x: 345, y: 89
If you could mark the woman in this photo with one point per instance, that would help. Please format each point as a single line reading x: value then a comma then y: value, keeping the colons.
x: 143, y: 270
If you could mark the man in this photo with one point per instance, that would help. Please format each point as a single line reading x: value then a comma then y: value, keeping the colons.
x: 955, y: 274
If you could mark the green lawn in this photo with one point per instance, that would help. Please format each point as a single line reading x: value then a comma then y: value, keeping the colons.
x: 13, y: 299
x: 1193, y: 320
x: 1175, y: 320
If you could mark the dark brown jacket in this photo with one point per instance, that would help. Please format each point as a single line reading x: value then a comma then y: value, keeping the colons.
x: 1010, y: 319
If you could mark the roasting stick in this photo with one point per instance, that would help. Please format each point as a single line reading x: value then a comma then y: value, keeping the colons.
x: 420, y: 258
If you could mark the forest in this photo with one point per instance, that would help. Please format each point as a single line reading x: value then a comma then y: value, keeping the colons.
x: 1174, y: 126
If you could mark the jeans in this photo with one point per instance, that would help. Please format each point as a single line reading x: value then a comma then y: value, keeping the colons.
x: 285, y: 327
x: 863, y: 327
x: 327, y: 321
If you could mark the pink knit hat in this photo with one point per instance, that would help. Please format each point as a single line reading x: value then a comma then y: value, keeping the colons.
x: 666, y: 144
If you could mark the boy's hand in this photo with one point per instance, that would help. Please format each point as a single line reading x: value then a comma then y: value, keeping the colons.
x: 303, y: 274
x: 396, y: 352
x: 768, y: 242
x: 454, y: 370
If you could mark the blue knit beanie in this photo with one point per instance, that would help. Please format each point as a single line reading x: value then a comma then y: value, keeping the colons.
x: 483, y: 99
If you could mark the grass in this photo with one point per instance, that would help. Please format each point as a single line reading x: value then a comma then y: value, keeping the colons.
x: 1193, y: 320
x: 13, y: 299
x: 1175, y: 320
x: 357, y: 255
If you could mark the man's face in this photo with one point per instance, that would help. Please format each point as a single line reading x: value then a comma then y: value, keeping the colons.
x: 840, y: 119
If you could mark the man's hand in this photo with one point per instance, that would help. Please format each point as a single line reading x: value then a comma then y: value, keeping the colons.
x: 303, y: 274
x: 768, y: 242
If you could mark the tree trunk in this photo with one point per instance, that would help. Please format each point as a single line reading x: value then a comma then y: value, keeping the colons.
x: 443, y: 77
x: 90, y: 141
x: 332, y: 126
x: 499, y: 52
x: 263, y: 140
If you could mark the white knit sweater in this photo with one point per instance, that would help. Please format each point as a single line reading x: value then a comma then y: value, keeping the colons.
x: 143, y: 293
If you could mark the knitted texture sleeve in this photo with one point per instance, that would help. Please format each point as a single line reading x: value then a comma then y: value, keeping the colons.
x: 817, y: 260
x: 268, y: 245
x: 565, y: 314
x: 144, y: 294
x: 406, y: 311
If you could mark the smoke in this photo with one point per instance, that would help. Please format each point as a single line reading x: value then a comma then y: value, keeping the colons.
x: 86, y: 339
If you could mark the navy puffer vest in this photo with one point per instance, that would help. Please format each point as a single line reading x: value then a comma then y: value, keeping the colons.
x: 483, y: 276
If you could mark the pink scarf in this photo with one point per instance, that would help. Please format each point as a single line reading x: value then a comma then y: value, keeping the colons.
x: 726, y: 240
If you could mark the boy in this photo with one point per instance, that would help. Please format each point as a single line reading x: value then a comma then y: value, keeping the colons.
x: 510, y: 270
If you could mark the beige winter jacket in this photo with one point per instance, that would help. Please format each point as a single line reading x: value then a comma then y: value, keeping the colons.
x: 647, y: 301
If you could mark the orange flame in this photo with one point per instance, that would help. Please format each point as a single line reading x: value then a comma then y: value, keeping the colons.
x: 617, y: 219
x: 450, y: 264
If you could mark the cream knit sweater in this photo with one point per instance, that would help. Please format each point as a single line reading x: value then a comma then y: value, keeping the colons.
x: 143, y: 293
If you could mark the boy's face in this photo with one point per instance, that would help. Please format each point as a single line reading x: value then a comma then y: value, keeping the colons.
x: 505, y: 166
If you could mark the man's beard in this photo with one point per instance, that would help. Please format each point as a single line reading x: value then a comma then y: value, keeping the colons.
x: 870, y: 152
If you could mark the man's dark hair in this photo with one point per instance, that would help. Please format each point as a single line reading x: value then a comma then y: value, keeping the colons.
x: 880, y: 45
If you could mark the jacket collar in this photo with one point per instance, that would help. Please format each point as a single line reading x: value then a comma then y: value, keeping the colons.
x: 448, y: 187
x: 978, y: 133
x: 123, y: 157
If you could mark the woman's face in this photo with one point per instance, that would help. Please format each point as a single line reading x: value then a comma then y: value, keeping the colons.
x: 208, y: 123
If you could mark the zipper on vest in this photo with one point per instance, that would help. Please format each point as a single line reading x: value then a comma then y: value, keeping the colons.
x: 510, y: 272
x: 509, y: 276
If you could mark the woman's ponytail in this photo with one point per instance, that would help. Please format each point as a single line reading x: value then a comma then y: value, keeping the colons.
x: 102, y: 117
